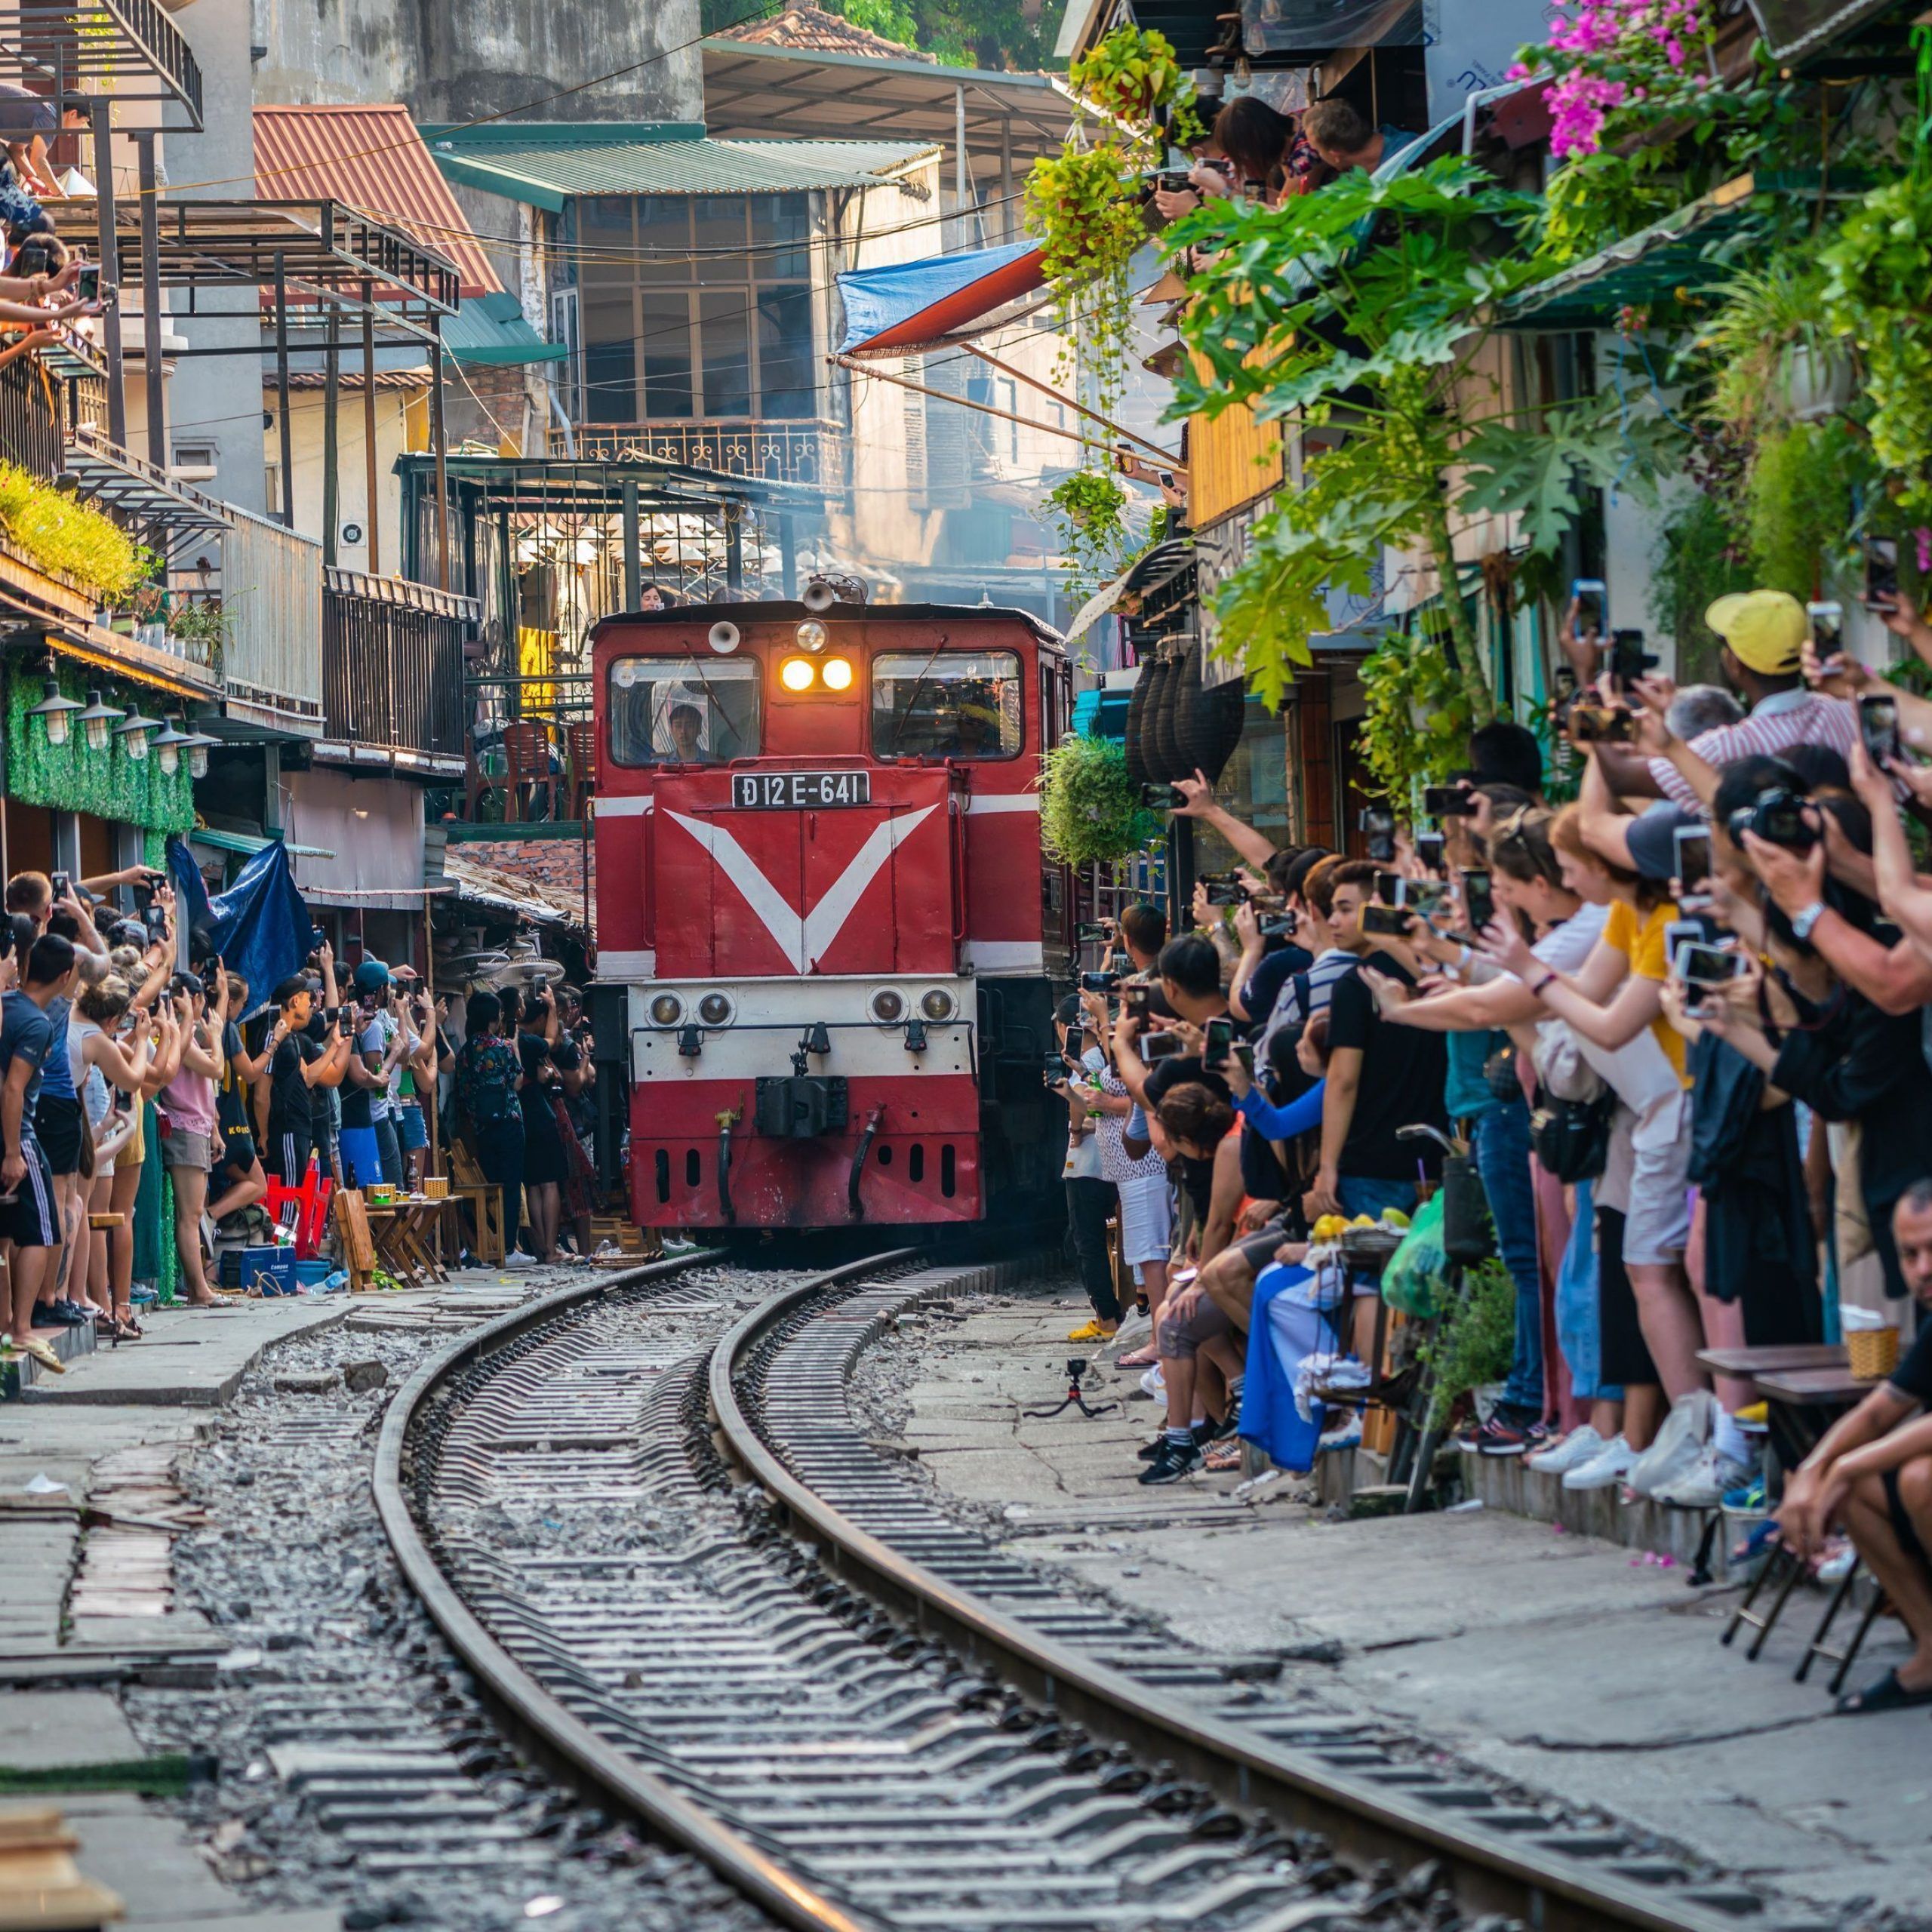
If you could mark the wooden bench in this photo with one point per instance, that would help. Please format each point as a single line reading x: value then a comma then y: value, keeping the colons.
x: 484, y: 1200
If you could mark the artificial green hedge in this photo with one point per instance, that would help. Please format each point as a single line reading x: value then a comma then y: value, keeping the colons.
x: 71, y: 778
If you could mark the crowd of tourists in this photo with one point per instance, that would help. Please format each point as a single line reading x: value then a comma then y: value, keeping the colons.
x: 1680, y: 1026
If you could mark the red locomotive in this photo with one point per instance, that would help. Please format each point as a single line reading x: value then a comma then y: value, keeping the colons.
x: 819, y: 874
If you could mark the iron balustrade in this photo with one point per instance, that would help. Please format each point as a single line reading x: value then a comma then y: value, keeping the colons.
x: 774, y: 452
x: 392, y: 663
x: 29, y: 418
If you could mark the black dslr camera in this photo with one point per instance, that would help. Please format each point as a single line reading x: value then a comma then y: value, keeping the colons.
x: 1777, y: 816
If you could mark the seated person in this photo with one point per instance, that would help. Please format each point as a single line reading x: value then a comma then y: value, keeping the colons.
x: 1872, y: 1474
x: 968, y: 724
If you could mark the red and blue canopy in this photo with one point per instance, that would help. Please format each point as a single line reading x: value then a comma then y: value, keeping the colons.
x: 911, y: 306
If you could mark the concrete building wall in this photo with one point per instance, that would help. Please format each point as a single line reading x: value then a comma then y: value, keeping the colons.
x: 453, y: 61
x: 392, y: 438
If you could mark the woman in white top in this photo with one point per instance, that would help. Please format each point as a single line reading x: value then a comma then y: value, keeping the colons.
x: 100, y: 1064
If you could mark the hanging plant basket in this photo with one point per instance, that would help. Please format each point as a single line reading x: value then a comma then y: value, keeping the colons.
x: 1171, y: 761
x: 1154, y: 676
x: 1136, y: 710
x: 1817, y: 383
x: 1210, y: 722
x: 1090, y: 811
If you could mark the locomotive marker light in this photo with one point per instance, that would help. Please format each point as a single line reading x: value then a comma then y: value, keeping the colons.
x: 796, y: 674
x: 937, y: 1005
x: 888, y: 1006
x: 667, y: 1009
x: 811, y: 636
x: 715, y: 1009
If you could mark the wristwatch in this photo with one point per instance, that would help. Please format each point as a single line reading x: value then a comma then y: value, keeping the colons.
x: 1803, y: 920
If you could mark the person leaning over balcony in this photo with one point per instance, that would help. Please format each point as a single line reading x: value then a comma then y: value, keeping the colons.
x: 1339, y: 134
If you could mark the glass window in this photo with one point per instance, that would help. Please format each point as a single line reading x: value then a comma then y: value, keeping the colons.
x: 725, y: 330
x: 609, y: 356
x: 787, y: 369
x: 719, y: 223
x: 666, y: 344
x: 781, y: 228
x: 942, y: 703
x: 681, y: 711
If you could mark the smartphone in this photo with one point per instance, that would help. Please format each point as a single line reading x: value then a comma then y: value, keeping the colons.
x: 64, y: 886
x: 1140, y: 999
x: 1388, y: 888
x: 87, y: 284
x: 1679, y: 933
x: 1478, y: 907
x: 1628, y: 658
x: 1428, y: 849
x: 1378, y: 824
x: 1881, y: 573
x: 1827, y: 627
x: 1694, y: 856
x: 1098, y: 982
x: 1426, y: 896
x: 1245, y: 1054
x: 1217, y: 1042
x: 1053, y: 1072
x: 1700, y: 964
x: 1591, y: 595
x: 156, y: 916
x: 1076, y: 1042
x: 1089, y: 931
x: 1281, y: 926
x: 1384, y: 922
x: 1447, y: 801
x: 1120, y: 964
x: 1175, y: 183
x: 1879, y: 726
x: 1160, y: 1046
x: 1225, y: 891
x: 1602, y: 724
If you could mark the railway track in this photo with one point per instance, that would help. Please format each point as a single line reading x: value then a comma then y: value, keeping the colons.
x: 642, y: 1513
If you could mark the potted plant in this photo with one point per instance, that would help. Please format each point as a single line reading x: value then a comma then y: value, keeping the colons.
x: 1090, y: 810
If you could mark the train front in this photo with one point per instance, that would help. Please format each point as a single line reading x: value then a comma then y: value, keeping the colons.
x: 785, y: 801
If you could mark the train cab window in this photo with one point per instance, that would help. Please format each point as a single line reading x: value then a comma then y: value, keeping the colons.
x: 963, y: 704
x: 681, y: 711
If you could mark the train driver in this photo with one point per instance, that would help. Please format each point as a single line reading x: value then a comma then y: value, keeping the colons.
x: 970, y: 726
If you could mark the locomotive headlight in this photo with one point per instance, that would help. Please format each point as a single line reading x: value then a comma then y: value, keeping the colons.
x: 837, y: 674
x: 715, y: 1009
x: 796, y: 674
x: 937, y: 1005
x: 888, y: 1006
x: 811, y: 636
x: 667, y: 1009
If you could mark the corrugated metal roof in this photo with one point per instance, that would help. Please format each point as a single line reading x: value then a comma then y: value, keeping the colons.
x: 491, y: 330
x: 373, y: 158
x: 547, y: 172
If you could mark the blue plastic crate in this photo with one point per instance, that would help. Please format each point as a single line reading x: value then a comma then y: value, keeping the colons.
x: 272, y: 1268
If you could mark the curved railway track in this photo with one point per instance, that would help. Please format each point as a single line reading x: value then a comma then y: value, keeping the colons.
x: 642, y: 1514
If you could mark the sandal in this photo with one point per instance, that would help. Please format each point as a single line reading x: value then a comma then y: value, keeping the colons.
x: 1225, y: 1454
x: 1887, y: 1694
x: 1141, y: 1359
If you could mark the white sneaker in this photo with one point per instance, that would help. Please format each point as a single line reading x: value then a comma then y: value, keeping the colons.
x: 1576, y: 1449
x: 1608, y: 1466
x: 516, y: 1258
x: 1151, y: 1383
x: 1133, y: 1323
x: 1704, y: 1487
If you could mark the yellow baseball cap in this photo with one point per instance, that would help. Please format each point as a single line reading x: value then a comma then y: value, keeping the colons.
x: 1764, y: 629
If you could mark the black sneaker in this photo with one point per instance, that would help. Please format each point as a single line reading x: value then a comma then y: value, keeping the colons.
x: 1171, y: 1462
x: 44, y: 1316
x: 1204, y: 1432
x: 1507, y: 1435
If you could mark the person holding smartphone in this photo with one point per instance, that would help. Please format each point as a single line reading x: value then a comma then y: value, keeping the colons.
x: 1091, y: 1196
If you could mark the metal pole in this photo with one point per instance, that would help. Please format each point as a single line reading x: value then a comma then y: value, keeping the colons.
x: 441, y: 442
x: 788, y: 554
x: 151, y: 357
x: 1009, y: 223
x: 100, y: 112
x: 281, y: 393
x: 734, y: 549
x: 371, y: 522
x: 331, y: 443
x: 633, y: 549
x: 962, y: 179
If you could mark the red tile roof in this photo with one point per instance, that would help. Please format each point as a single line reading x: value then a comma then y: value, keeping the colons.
x: 814, y: 30
x: 372, y: 158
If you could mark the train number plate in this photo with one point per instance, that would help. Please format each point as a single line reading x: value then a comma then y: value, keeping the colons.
x: 796, y: 790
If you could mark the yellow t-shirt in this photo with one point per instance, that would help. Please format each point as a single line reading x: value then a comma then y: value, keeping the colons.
x: 1643, y: 945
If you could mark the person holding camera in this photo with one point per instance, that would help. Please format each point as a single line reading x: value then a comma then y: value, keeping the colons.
x: 189, y: 1122
x: 299, y: 1067
x: 1091, y: 1197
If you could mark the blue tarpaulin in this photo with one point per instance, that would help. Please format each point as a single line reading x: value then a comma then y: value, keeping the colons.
x: 259, y: 926
x: 943, y: 292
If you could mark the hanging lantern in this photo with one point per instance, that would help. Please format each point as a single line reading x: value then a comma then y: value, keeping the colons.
x: 197, y: 747
x: 133, y: 732
x: 167, y: 743
x: 55, y: 712
x: 99, y: 720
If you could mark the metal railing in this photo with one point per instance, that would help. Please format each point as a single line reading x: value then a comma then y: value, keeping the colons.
x: 271, y: 627
x: 804, y: 452
x: 392, y: 663
x: 29, y: 418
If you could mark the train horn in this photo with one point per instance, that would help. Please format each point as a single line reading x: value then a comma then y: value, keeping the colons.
x: 723, y: 635
x: 819, y: 595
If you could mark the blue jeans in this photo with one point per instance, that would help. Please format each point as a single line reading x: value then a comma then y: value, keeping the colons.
x: 1501, y: 1137
x: 1359, y: 1195
x: 1578, y: 1334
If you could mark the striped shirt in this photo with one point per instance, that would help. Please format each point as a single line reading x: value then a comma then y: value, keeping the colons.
x: 1785, y: 718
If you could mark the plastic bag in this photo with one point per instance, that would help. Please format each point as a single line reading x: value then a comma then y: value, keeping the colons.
x: 1414, y: 1281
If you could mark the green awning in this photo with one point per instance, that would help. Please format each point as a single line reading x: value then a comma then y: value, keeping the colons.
x: 246, y: 844
x: 491, y: 330
x: 1692, y: 249
x: 544, y: 165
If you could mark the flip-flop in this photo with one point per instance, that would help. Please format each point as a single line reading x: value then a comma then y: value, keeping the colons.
x: 1887, y: 1694
x: 1141, y: 1359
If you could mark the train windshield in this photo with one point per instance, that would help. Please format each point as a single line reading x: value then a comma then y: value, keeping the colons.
x: 946, y: 704
x: 683, y: 710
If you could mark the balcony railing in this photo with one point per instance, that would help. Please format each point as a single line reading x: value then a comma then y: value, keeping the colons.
x: 29, y: 419
x: 392, y: 668
x: 803, y: 452
x: 269, y: 624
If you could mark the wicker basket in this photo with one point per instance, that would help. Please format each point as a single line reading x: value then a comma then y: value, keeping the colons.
x: 435, y: 1187
x: 1872, y: 1353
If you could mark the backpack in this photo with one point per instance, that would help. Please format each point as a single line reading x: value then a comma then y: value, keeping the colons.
x: 486, y: 1085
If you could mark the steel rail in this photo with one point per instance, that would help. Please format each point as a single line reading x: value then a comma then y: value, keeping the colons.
x: 562, y: 1739
x: 1552, y: 1892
